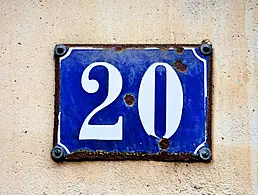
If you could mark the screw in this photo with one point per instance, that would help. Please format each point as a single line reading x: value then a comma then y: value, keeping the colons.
x: 206, y: 48
x: 60, y: 50
x: 57, y: 153
x: 205, y: 154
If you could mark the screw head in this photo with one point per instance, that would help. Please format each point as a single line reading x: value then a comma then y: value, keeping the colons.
x: 205, y: 154
x: 206, y: 49
x: 57, y: 153
x: 60, y: 50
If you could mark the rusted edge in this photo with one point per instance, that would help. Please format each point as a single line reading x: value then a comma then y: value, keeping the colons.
x: 210, y: 105
x: 125, y: 46
x: 161, y: 156
x: 57, y: 99
x: 113, y: 156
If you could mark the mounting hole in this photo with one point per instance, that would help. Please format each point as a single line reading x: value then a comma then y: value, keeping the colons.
x: 206, y: 49
x: 60, y: 50
x: 164, y: 143
x: 129, y: 99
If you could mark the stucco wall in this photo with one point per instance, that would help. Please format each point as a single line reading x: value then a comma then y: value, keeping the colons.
x: 30, y: 29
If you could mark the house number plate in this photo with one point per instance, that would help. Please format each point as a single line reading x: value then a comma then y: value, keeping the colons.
x: 133, y: 102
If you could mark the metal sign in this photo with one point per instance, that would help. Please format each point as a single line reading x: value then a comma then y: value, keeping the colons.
x: 140, y: 102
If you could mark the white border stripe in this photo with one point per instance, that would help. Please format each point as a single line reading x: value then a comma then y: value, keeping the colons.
x: 77, y: 48
x: 205, y: 71
x: 150, y: 48
x: 58, y: 136
x: 200, y: 146
x: 205, y: 93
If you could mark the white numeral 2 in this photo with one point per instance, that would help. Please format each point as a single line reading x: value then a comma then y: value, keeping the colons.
x: 174, y: 102
x: 102, y: 132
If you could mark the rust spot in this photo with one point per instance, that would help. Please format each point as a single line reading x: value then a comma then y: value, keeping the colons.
x: 119, y: 48
x: 180, y: 66
x: 206, y: 41
x: 179, y: 50
x: 164, y: 143
x: 129, y: 99
x: 164, y: 47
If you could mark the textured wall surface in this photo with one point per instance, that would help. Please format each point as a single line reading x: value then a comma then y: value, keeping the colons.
x: 30, y: 29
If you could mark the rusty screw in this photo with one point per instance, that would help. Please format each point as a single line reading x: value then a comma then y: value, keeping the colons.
x: 205, y: 154
x: 60, y: 50
x: 57, y: 153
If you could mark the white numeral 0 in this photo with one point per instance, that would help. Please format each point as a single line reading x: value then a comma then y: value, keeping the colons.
x: 146, y: 101
x: 102, y: 132
x: 174, y: 100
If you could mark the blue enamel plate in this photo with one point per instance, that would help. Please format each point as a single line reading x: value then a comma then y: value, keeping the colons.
x: 139, y: 102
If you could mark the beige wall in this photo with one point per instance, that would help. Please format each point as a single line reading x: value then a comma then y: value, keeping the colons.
x: 30, y: 29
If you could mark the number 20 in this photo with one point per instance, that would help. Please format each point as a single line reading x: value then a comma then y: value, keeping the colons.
x: 174, y: 102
